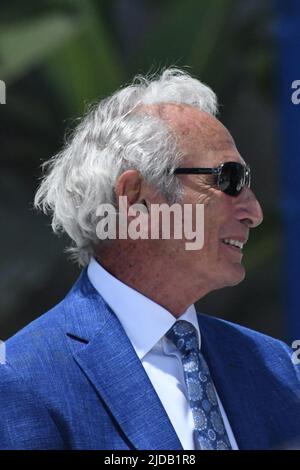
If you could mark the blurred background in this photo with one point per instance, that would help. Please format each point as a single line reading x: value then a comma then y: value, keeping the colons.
x: 57, y: 56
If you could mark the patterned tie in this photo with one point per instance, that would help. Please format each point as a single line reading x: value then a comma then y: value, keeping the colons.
x: 210, y: 432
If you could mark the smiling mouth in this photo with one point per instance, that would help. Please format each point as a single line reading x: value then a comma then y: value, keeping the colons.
x: 235, y: 245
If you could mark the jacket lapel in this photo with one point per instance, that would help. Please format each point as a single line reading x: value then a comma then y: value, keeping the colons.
x: 112, y: 366
x: 239, y: 383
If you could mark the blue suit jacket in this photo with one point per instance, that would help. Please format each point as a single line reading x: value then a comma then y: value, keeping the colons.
x: 73, y: 381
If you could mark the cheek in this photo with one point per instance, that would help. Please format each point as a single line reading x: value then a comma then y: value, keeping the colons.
x: 213, y: 221
x: 218, y: 213
x: 216, y: 218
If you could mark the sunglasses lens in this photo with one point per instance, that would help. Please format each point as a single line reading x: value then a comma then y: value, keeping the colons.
x: 233, y: 178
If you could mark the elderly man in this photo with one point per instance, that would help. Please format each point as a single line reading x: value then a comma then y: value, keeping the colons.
x: 124, y: 361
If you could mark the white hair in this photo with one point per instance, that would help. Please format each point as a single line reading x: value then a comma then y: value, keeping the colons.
x: 110, y: 140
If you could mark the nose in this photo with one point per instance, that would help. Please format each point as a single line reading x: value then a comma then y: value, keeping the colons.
x: 249, y: 210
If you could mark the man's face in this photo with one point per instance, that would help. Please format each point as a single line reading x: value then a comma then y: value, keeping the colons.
x: 207, y: 143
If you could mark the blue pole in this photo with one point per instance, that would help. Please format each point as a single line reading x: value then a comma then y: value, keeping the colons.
x: 288, y: 35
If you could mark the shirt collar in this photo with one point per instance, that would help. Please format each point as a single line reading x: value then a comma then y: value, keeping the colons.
x: 144, y: 321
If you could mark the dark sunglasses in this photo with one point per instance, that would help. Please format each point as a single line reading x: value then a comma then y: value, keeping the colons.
x: 231, y: 177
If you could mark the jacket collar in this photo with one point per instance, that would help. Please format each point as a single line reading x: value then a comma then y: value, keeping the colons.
x: 109, y: 361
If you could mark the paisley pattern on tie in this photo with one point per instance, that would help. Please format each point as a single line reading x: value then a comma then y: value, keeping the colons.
x: 210, y: 432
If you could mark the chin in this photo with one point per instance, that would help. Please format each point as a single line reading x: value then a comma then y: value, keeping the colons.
x: 233, y: 275
x: 238, y: 275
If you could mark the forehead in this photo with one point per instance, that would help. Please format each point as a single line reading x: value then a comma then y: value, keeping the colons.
x: 203, y: 138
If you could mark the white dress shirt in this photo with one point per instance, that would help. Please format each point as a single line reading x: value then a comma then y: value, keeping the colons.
x: 146, y: 323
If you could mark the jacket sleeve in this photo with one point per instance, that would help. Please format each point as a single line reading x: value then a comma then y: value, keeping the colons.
x: 25, y: 422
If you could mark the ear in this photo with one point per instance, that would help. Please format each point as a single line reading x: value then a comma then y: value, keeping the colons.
x: 130, y: 184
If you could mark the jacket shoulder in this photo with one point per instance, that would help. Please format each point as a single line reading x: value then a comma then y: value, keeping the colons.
x: 271, y: 353
x: 25, y: 422
x: 44, y: 340
x: 38, y: 368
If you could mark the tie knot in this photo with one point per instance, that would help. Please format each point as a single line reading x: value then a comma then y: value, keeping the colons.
x: 184, y: 336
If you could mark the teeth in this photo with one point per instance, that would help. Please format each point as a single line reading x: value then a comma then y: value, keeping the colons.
x: 230, y: 241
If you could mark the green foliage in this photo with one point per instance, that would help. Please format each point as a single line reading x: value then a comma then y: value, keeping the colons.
x: 24, y: 44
